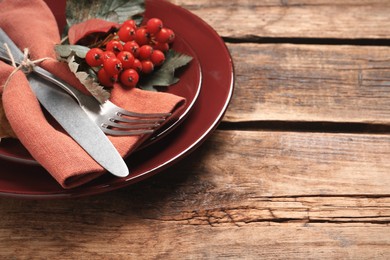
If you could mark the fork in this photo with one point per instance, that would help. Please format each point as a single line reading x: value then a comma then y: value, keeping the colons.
x: 112, y: 119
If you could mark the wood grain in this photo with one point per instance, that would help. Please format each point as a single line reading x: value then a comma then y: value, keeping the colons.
x: 242, y: 19
x: 278, y: 204
x: 310, y: 83
x: 298, y: 169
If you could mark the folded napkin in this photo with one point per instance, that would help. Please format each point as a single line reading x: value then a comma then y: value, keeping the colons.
x: 32, y: 25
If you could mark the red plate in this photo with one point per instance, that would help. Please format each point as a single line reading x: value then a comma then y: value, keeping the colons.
x: 32, y: 181
x: 189, y: 87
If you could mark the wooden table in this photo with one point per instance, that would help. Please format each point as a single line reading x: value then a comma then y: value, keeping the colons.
x: 299, y: 168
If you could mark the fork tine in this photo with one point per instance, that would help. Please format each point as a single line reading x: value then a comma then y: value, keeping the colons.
x: 115, y: 132
x: 129, y: 126
x: 122, y: 111
x: 133, y: 120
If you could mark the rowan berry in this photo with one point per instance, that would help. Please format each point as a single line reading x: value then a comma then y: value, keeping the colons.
x: 163, y: 35
x: 106, y: 79
x: 126, y: 33
x: 129, y: 78
x: 126, y: 58
x: 161, y: 46
x: 130, y: 23
x: 114, y: 46
x: 145, y: 52
x: 137, y: 65
x: 147, y: 66
x: 107, y: 55
x: 157, y: 57
x: 142, y: 36
x: 154, y: 25
x: 132, y: 47
x: 112, y: 66
x: 94, y: 57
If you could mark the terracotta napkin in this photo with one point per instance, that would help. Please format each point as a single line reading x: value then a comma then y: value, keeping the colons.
x: 32, y: 25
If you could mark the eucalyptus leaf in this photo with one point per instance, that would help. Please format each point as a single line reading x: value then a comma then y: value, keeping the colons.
x: 65, y: 51
x: 115, y: 11
x: 165, y: 76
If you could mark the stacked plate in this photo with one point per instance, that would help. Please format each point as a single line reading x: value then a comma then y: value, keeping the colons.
x: 207, y: 84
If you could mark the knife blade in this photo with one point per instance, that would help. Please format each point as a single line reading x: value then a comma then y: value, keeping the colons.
x: 67, y: 112
x: 77, y: 124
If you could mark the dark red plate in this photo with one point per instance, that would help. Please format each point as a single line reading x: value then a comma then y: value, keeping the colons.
x: 32, y: 181
x: 188, y: 87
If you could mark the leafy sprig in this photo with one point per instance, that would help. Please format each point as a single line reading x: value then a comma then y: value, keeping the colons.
x: 165, y: 76
x: 118, y: 11
x: 162, y: 77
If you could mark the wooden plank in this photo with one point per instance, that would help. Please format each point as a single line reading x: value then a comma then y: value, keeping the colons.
x: 171, y: 240
x: 241, y: 194
x: 310, y: 83
x: 297, y: 19
x: 294, y: 164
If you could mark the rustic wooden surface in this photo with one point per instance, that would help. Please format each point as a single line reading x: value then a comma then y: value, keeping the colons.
x: 298, y: 169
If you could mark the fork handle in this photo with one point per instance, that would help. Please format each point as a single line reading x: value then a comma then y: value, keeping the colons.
x: 77, y: 94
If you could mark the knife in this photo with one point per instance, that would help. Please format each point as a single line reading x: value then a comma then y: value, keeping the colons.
x: 73, y: 119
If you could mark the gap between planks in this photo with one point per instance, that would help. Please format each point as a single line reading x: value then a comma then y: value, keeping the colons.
x: 301, y: 126
x: 307, y: 41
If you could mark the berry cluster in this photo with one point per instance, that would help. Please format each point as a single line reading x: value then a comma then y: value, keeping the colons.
x: 134, y: 51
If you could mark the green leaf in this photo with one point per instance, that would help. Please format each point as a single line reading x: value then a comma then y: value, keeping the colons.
x: 65, y: 51
x: 89, y: 82
x: 165, y: 76
x: 115, y: 11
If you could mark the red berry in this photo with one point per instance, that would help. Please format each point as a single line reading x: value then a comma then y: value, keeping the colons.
x: 94, y: 57
x: 132, y: 47
x: 126, y: 58
x: 163, y: 35
x: 161, y: 46
x: 171, y: 36
x: 130, y: 23
x: 126, y: 33
x: 137, y: 65
x: 114, y: 46
x: 129, y: 78
x: 154, y: 25
x: 108, y: 54
x: 147, y: 66
x: 142, y: 37
x: 157, y: 57
x: 145, y: 52
x: 105, y: 79
x: 112, y: 66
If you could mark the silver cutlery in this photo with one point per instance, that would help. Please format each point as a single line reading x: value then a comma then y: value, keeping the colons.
x: 111, y: 119
x: 74, y: 120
